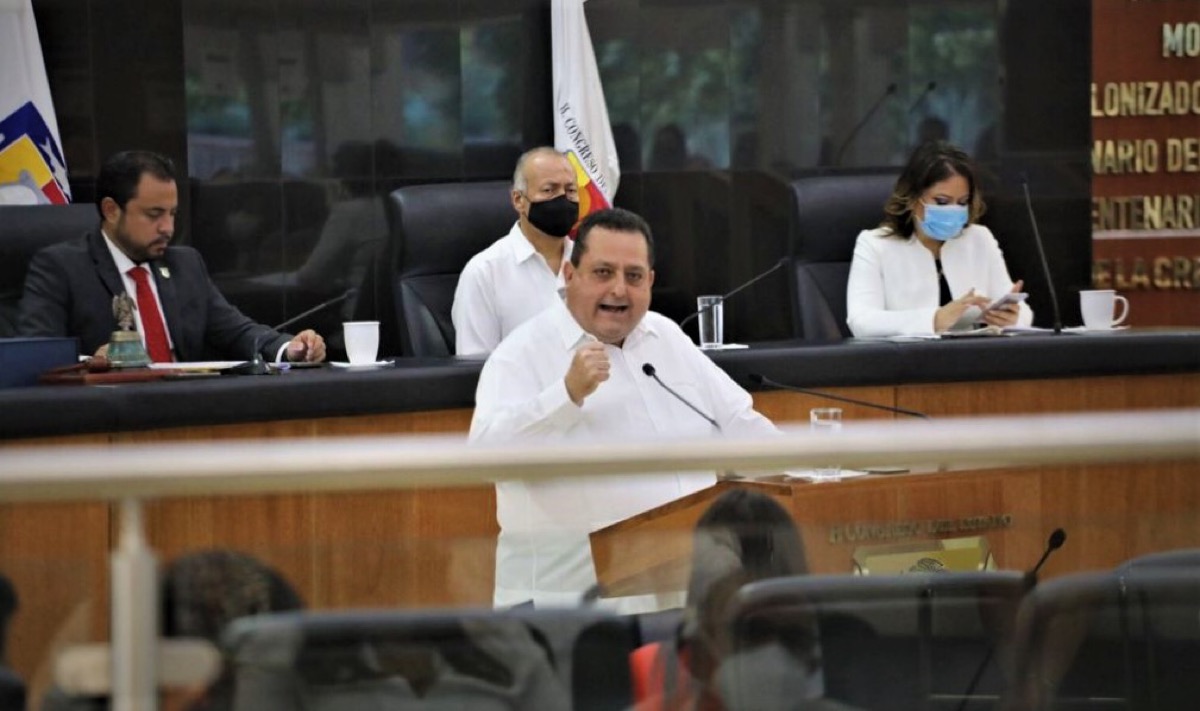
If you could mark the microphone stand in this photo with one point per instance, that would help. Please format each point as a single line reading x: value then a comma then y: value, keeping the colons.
x: 257, y: 365
x: 763, y: 380
x: 1037, y: 238
x: 695, y: 314
x: 891, y: 89
x: 650, y: 371
x: 1057, y: 538
x: 921, y: 97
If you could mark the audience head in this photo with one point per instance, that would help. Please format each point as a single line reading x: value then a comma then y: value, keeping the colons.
x: 137, y: 198
x: 938, y: 174
x: 610, y: 274
x: 744, y: 537
x: 545, y: 192
x: 202, y: 592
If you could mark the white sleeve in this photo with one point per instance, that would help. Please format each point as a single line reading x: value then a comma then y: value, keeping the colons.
x: 732, y: 407
x: 476, y: 325
x: 511, y: 403
x: 998, y: 280
x: 866, y: 302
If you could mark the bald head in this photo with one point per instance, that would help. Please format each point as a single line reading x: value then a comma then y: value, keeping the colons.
x: 542, y: 155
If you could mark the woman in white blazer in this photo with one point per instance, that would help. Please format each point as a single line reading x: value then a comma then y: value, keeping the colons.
x: 928, y: 262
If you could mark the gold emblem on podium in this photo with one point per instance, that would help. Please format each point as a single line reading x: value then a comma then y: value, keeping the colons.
x: 970, y: 553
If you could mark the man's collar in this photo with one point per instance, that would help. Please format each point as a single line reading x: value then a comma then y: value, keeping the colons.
x: 571, y: 334
x: 522, y: 248
x: 122, y: 260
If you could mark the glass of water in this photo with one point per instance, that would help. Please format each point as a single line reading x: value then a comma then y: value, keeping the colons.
x: 826, y: 420
x: 711, y: 314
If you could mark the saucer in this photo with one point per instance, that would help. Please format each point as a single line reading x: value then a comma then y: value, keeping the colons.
x: 361, y: 366
x: 1085, y: 329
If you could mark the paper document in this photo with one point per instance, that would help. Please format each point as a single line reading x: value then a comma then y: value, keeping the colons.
x: 197, y: 365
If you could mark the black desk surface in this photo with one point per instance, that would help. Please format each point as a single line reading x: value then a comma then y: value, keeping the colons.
x: 432, y: 384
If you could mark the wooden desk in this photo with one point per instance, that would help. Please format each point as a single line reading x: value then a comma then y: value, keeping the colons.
x: 426, y: 548
x: 1111, y: 513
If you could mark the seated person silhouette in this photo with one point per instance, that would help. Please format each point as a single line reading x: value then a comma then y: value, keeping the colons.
x: 408, y: 662
x: 745, y: 536
x: 201, y: 593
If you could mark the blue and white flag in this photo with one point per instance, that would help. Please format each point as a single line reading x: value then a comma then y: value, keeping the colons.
x: 581, y: 127
x: 32, y: 168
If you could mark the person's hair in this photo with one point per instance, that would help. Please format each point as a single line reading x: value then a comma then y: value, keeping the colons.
x: 520, y: 184
x: 202, y: 592
x: 121, y: 173
x: 744, y: 537
x: 759, y: 532
x: 616, y: 219
x: 930, y: 164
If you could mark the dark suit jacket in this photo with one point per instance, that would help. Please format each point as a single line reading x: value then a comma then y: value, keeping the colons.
x: 70, y: 287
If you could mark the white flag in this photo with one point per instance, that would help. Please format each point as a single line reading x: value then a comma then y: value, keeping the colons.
x: 32, y: 169
x: 581, y: 126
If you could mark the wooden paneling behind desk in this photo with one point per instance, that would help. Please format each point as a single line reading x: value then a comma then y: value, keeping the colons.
x: 436, y: 547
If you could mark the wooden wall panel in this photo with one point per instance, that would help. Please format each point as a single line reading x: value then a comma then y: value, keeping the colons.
x: 56, y: 557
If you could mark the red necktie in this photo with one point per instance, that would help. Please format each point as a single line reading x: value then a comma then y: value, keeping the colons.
x: 154, y: 330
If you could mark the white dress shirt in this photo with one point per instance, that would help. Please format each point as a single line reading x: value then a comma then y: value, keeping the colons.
x: 501, y: 288
x: 124, y: 264
x: 893, y: 286
x: 543, y: 552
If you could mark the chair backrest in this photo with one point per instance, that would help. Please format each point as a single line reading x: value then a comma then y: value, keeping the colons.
x: 828, y: 213
x: 24, y: 230
x: 1129, y: 636
x: 545, y: 659
x: 888, y: 641
x: 435, y: 230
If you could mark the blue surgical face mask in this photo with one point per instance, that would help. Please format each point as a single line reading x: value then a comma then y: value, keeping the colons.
x: 944, y: 222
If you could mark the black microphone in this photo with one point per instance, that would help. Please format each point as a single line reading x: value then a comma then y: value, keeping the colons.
x: 687, y: 319
x: 763, y: 380
x: 256, y: 365
x: 319, y: 307
x: 1056, y: 540
x: 891, y: 90
x: 649, y: 370
x: 1037, y: 237
x: 921, y: 97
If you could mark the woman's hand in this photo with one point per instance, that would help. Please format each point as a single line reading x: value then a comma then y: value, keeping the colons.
x: 949, y: 314
x: 1007, y: 314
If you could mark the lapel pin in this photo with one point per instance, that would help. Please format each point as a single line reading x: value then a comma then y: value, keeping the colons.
x: 166, y: 273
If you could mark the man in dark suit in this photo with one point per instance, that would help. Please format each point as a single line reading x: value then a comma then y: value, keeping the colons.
x: 70, y: 286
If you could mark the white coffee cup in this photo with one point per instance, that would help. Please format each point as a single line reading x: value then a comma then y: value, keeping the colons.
x: 362, y: 341
x: 1097, y: 308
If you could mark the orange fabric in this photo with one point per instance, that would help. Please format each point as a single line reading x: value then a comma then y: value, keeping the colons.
x: 648, y: 666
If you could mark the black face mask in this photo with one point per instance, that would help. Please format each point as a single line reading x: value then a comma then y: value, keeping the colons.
x: 555, y: 217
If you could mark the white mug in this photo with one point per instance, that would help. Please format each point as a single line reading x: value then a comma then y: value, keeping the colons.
x: 1097, y: 308
x: 362, y: 341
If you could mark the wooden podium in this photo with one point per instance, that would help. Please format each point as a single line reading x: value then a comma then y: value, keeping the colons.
x: 1111, y: 513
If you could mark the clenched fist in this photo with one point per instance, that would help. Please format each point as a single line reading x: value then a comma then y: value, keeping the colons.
x: 589, y: 368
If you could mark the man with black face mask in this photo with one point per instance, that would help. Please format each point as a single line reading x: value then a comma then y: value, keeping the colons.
x: 519, y: 275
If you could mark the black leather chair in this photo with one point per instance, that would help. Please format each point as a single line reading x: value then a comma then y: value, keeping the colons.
x: 829, y: 212
x: 1125, y: 639
x: 24, y: 230
x: 435, y: 230
x: 886, y: 642
x: 553, y: 659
